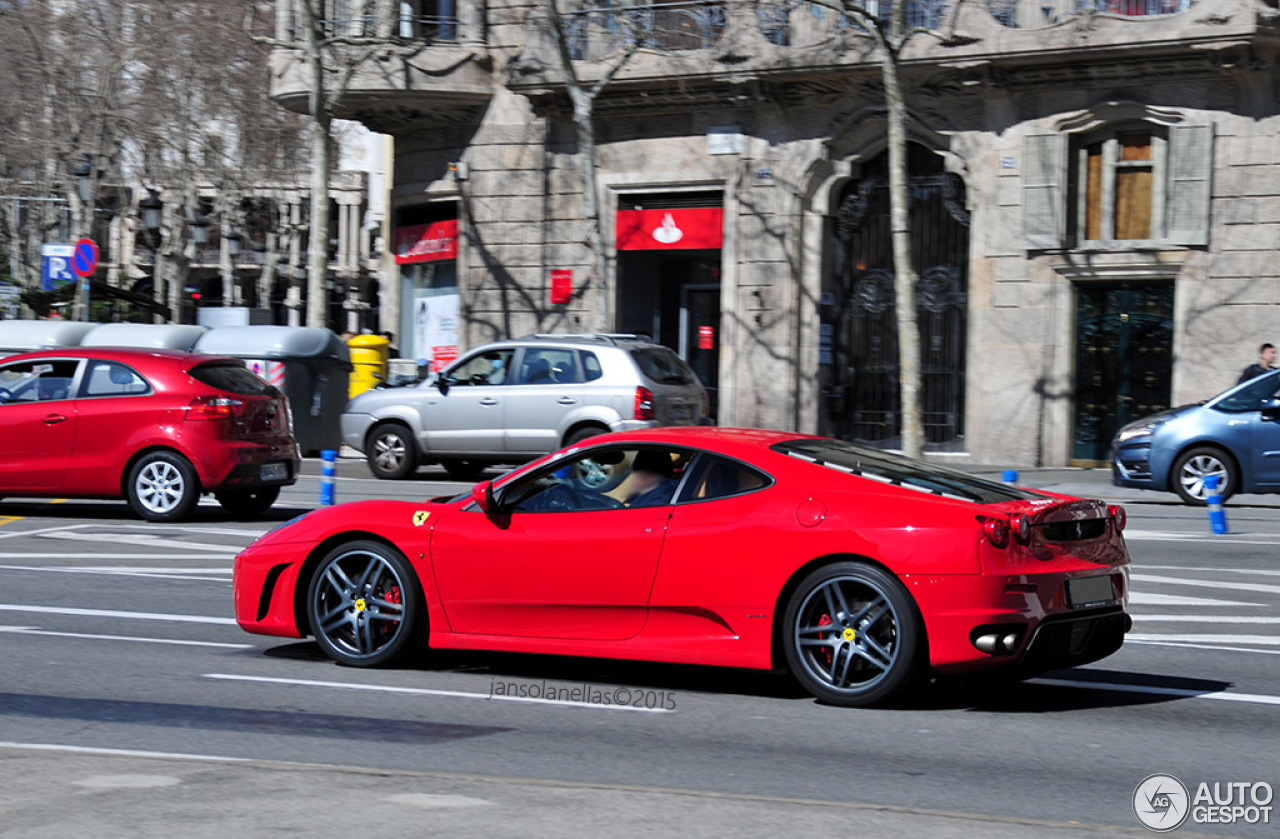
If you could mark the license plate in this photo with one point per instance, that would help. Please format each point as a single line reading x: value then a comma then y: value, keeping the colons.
x: 1089, y: 591
x: 682, y: 413
x: 274, y: 472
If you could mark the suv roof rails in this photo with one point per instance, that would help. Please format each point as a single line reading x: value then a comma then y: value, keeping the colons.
x: 599, y: 337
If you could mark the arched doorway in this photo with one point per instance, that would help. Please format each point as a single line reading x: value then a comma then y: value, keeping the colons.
x: 859, y: 332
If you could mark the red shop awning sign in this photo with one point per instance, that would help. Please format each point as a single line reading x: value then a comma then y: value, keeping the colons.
x: 427, y: 242
x: 696, y: 228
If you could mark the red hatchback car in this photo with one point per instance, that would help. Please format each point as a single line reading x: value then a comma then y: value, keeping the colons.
x: 155, y: 427
x: 856, y: 569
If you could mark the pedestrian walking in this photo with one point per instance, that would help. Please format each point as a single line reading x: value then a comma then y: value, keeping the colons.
x: 1266, y: 363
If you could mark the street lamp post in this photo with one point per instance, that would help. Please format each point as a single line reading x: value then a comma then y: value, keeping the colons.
x: 82, y: 171
x: 151, y: 209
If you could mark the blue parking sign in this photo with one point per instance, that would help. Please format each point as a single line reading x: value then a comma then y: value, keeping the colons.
x: 56, y: 265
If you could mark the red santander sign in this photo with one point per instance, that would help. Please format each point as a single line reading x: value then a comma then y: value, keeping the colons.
x: 427, y: 242
x: 698, y: 228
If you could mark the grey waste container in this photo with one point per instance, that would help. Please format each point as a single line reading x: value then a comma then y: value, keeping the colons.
x: 29, y: 335
x: 310, y: 365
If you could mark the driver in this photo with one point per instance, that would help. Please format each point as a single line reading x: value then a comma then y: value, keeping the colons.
x: 652, y: 484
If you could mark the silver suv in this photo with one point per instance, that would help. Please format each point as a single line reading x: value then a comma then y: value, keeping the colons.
x: 512, y: 401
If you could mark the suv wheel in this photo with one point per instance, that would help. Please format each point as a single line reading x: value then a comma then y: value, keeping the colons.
x: 584, y: 433
x: 463, y: 470
x: 392, y: 452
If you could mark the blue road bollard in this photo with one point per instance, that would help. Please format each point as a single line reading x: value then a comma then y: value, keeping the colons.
x: 1009, y: 476
x: 1217, y: 516
x: 329, y: 456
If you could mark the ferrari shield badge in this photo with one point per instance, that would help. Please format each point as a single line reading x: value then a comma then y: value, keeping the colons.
x: 420, y: 517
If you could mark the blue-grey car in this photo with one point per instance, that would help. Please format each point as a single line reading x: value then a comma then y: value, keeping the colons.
x: 1235, y: 435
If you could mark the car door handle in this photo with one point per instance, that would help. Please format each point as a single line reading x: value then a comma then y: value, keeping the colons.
x: 53, y: 419
x: 488, y: 400
x: 568, y: 400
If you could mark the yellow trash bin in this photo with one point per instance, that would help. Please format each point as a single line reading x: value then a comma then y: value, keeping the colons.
x: 369, y: 355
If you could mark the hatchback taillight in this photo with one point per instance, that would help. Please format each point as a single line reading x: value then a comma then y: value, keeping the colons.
x: 213, y: 408
x: 644, y: 404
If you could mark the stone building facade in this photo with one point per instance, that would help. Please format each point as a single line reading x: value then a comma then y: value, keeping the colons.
x: 1095, y: 201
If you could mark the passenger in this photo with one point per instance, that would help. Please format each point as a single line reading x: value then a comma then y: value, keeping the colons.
x: 652, y: 484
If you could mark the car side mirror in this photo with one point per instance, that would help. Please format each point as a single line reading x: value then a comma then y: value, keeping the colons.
x: 443, y: 384
x: 1271, y: 408
x: 482, y: 494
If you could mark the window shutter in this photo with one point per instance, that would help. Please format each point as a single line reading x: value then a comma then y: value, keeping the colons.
x: 1044, y: 174
x: 1187, y: 198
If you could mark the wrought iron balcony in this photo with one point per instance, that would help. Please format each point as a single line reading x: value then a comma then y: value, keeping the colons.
x: 1033, y: 14
x: 599, y: 32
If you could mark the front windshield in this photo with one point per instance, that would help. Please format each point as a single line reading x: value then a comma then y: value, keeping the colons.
x: 901, y: 471
x: 1249, y: 396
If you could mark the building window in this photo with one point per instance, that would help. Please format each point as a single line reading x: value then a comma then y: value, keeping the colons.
x: 1128, y: 184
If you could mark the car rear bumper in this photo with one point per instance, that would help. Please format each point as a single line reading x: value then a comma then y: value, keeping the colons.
x: 1031, y: 609
x: 240, y: 465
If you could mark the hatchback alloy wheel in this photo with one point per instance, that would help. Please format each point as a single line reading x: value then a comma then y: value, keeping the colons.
x: 163, y: 487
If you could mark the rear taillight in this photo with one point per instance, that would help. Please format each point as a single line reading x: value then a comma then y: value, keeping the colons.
x: 213, y: 408
x: 644, y: 404
x: 1119, y: 516
x: 1020, y: 525
x: 996, y: 529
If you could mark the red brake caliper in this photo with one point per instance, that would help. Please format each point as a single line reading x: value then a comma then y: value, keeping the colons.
x: 826, y: 620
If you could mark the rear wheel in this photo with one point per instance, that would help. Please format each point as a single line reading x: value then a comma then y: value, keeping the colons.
x: 247, y: 503
x: 585, y: 433
x: 852, y: 635
x: 392, y: 452
x: 463, y: 470
x: 163, y: 486
x: 364, y: 605
x: 1194, y: 465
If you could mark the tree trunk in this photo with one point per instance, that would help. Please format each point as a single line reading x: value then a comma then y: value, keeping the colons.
x: 909, y: 374
x: 585, y: 126
x: 319, y: 129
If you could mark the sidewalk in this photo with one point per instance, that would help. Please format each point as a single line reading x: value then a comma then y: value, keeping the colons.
x: 59, y: 794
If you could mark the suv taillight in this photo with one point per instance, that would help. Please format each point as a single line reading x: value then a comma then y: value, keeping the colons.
x: 644, y: 404
x: 213, y: 408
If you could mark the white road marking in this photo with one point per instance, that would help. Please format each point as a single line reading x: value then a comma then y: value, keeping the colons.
x: 1260, y: 640
x: 31, y: 630
x: 456, y: 694
x: 1207, y: 618
x: 111, y: 613
x: 158, y: 574
x: 1256, y: 698
x: 134, y: 555
x: 1129, y: 640
x: 89, y: 750
x: 1174, y: 536
x: 147, y: 539
x: 1261, y: 571
x: 1151, y: 598
x: 1183, y: 581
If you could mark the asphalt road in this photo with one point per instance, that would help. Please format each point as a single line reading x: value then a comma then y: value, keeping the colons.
x: 131, y: 704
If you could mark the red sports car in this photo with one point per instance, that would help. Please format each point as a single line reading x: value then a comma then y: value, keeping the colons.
x: 856, y: 569
x: 156, y: 427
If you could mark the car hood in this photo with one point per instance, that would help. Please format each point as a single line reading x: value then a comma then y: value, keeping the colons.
x: 1162, y: 416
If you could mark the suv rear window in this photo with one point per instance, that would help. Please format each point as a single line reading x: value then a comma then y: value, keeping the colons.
x: 232, y: 379
x: 663, y: 366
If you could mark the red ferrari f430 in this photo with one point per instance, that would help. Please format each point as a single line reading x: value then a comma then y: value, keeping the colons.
x: 857, y: 570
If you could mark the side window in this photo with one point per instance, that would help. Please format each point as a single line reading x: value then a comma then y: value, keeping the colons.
x: 109, y: 378
x: 488, y: 368
x: 591, y: 369
x: 548, y: 366
x: 1249, y: 397
x: 37, y: 381
x: 604, y: 478
x: 718, y: 477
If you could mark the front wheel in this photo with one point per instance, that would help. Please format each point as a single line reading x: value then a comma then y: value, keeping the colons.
x: 162, y: 486
x: 392, y: 452
x: 1194, y: 465
x: 247, y: 503
x: 364, y: 605
x: 852, y: 635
